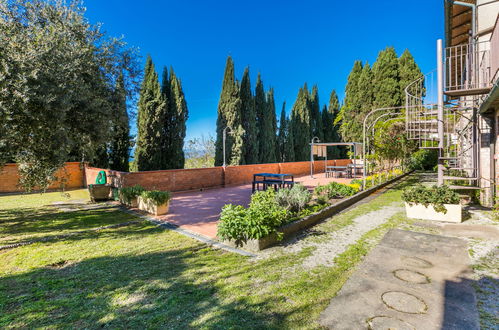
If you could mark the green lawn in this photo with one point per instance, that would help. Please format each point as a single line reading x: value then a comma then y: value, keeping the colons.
x: 143, y: 276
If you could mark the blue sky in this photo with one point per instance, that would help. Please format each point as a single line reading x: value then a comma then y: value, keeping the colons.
x: 288, y: 42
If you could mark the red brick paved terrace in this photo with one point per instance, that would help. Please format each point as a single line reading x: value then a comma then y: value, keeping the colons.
x: 198, y: 211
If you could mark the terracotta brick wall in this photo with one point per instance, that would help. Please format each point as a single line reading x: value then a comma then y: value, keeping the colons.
x: 177, y: 180
x: 72, y: 173
x: 192, y: 179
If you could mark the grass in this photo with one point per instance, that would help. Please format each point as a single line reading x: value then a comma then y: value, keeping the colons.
x: 143, y: 276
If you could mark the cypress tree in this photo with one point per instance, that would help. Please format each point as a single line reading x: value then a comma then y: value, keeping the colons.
x: 315, y: 114
x: 271, y: 128
x: 300, y: 125
x: 264, y: 122
x: 249, y: 120
x: 229, y: 115
x: 386, y: 79
x: 365, y: 100
x: 179, y: 115
x: 289, y: 147
x: 148, y: 147
x: 331, y: 130
x: 351, y: 105
x: 119, y: 151
x: 165, y: 118
x: 281, y: 136
x: 409, y: 71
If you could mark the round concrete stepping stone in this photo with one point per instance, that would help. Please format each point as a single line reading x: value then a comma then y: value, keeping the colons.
x: 404, y: 302
x: 416, y: 262
x: 387, y: 322
x: 411, y: 276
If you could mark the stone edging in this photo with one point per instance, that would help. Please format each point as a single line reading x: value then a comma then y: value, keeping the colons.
x: 289, y: 229
x: 188, y: 233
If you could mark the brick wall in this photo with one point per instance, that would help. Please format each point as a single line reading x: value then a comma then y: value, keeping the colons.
x: 72, y: 172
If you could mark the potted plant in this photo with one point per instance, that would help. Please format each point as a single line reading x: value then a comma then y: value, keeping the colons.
x: 154, y: 201
x: 129, y: 195
x: 432, y: 203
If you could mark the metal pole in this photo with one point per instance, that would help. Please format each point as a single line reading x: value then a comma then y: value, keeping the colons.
x: 312, y: 155
x: 440, y: 112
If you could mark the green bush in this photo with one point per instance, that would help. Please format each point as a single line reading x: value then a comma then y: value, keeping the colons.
x: 156, y: 197
x: 127, y: 194
x: 436, y: 196
x: 423, y: 159
x: 262, y: 217
x: 334, y: 190
x: 293, y: 199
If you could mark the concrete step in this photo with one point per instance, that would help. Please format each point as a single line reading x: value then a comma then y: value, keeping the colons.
x: 448, y: 177
x: 464, y: 188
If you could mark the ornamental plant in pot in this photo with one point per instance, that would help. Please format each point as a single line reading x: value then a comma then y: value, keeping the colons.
x: 154, y: 201
x: 432, y: 203
x: 129, y: 195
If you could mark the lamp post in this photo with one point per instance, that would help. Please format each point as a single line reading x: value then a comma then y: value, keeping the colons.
x: 312, y: 155
x: 224, y: 138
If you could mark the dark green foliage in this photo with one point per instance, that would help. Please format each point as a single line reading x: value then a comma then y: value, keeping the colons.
x: 128, y: 194
x: 249, y: 121
x: 262, y: 218
x: 331, y: 133
x: 316, y: 125
x: 119, y: 149
x: 423, y: 159
x: 300, y: 125
x: 101, y: 156
x: 408, y: 72
x: 436, y: 196
x: 57, y: 80
x: 178, y: 115
x: 351, y: 105
x: 285, y: 138
x: 386, y: 80
x: 149, y: 122
x: 265, y: 111
x: 229, y: 115
x: 156, y: 197
x: 293, y: 199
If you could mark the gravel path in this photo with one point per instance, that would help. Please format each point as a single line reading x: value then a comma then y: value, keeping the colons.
x: 334, y: 243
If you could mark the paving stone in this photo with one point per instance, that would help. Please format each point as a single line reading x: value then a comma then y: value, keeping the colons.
x: 409, y: 281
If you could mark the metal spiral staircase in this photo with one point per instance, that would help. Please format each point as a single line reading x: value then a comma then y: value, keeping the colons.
x: 451, y: 127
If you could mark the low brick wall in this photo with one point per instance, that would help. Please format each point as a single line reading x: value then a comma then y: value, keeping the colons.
x: 72, y: 173
x: 200, y: 178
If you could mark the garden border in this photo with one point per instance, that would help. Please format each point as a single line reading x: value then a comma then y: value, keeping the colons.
x: 255, y: 245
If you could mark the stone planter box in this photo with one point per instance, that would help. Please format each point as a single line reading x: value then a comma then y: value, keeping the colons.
x: 255, y: 245
x: 134, y: 203
x: 150, y: 207
x: 419, y: 211
x: 99, y: 192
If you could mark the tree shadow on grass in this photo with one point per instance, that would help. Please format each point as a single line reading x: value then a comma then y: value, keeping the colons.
x: 22, y: 225
x: 173, y: 289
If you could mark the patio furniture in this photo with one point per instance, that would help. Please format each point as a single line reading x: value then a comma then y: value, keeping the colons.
x: 335, y: 171
x: 276, y: 180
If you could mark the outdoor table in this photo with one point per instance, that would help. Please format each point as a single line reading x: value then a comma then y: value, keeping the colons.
x: 277, y: 180
x: 354, y: 168
x: 335, y: 169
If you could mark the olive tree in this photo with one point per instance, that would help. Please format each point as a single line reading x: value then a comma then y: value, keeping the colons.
x: 57, y: 78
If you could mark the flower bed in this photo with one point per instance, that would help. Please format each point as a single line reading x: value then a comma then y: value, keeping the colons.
x: 265, y: 222
x: 152, y: 201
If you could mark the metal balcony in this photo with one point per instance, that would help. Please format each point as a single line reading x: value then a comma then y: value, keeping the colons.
x: 468, y: 69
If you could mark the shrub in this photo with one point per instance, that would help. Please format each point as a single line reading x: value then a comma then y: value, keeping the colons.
x: 423, y: 159
x: 156, y: 197
x: 293, y: 199
x: 262, y: 217
x: 334, y: 190
x: 127, y: 194
x: 436, y: 196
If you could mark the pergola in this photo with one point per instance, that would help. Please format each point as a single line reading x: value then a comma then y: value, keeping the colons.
x: 354, y: 146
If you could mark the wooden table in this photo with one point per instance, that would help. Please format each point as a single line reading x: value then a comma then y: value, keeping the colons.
x: 277, y: 180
